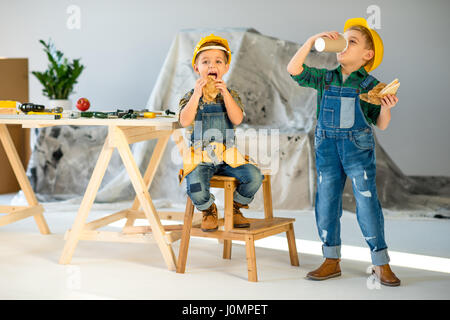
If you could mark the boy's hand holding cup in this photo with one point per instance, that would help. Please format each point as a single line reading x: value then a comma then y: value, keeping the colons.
x: 331, y: 41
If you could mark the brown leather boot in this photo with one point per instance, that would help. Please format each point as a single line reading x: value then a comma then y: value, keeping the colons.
x: 385, y: 275
x: 239, y: 221
x: 329, y: 269
x: 210, y: 221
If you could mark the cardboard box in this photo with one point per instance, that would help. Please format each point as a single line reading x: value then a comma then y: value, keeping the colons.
x: 14, y: 86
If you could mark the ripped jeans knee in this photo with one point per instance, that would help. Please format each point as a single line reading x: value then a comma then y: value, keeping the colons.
x: 198, y: 187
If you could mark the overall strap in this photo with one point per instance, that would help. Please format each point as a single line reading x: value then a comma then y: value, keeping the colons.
x: 366, y: 82
x: 328, y: 77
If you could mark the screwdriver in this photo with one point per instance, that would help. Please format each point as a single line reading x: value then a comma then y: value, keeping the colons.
x: 31, y: 107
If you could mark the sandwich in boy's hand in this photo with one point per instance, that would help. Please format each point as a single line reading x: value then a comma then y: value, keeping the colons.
x: 209, y: 90
x: 379, y: 91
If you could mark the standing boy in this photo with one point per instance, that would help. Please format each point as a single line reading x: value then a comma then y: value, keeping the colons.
x: 345, y: 145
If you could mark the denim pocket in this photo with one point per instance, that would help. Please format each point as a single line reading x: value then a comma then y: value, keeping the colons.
x: 213, y: 126
x: 347, y: 116
x: 331, y: 103
x: 364, y: 140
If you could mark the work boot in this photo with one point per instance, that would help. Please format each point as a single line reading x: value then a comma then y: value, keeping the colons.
x: 239, y: 221
x: 329, y: 269
x: 385, y: 275
x: 210, y: 221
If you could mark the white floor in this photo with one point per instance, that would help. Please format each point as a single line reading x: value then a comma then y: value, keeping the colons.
x: 29, y: 266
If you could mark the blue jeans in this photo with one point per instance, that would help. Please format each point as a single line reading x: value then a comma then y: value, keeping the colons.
x: 352, y: 154
x: 198, y: 186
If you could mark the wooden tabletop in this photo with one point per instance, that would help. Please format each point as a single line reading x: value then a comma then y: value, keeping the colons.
x: 171, y: 122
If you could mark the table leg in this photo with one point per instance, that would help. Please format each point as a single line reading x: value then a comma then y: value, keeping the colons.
x: 88, y: 200
x: 153, y: 164
x: 21, y: 176
x: 186, y: 236
x: 143, y: 195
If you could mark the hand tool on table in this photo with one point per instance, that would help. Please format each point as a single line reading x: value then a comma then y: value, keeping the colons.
x: 88, y: 114
x: 52, y: 116
x: 28, y: 107
x: 35, y: 113
x: 145, y: 113
x: 9, y: 104
x: 31, y: 107
x: 120, y: 114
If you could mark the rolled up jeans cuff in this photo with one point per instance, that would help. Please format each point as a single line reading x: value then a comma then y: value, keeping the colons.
x: 241, y: 199
x: 207, y: 204
x: 380, y: 258
x: 331, y: 252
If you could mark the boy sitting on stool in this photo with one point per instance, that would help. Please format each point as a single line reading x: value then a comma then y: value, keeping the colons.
x: 211, y: 123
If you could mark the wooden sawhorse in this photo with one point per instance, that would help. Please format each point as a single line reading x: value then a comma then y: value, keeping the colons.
x: 120, y: 135
x: 16, y: 213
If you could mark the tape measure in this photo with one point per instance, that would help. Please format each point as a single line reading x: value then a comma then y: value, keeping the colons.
x: 149, y: 114
x: 41, y: 113
x: 9, y: 104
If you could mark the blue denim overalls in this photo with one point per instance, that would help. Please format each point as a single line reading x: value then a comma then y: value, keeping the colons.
x: 212, y: 126
x: 345, y: 146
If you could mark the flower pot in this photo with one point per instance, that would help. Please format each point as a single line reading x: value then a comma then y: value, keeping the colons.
x: 65, y: 104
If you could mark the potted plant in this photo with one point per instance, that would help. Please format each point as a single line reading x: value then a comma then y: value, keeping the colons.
x: 60, y: 77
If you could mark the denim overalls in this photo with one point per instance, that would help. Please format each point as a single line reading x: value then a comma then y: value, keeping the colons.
x: 212, y: 128
x: 345, y: 146
x: 212, y: 124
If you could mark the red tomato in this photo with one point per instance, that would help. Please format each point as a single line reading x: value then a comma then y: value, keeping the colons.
x: 83, y: 104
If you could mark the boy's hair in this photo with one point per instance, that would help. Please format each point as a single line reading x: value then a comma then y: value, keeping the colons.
x: 367, y: 37
x: 207, y: 44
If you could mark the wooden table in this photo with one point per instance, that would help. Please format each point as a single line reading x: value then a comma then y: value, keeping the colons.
x: 121, y: 133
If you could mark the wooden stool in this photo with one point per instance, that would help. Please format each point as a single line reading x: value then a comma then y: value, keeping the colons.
x: 259, y: 228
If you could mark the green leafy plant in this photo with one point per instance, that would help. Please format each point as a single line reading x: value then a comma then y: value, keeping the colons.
x: 61, y: 75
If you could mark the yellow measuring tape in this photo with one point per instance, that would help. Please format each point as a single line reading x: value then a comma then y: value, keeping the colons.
x: 9, y: 104
x: 41, y: 113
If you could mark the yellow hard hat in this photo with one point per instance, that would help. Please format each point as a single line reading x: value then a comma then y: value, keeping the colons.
x: 376, y: 39
x: 212, y: 38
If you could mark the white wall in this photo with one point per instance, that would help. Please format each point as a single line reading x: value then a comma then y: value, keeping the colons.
x: 124, y: 43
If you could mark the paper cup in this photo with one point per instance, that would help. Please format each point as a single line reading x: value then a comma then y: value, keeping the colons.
x: 325, y: 44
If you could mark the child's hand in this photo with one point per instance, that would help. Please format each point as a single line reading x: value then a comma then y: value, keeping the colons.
x: 333, y: 35
x: 199, y: 84
x: 221, y: 85
x: 389, y: 101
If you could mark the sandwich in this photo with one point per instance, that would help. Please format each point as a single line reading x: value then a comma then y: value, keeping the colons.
x: 381, y: 90
x: 209, y: 90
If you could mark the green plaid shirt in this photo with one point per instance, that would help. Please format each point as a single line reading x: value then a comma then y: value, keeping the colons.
x: 315, y: 78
